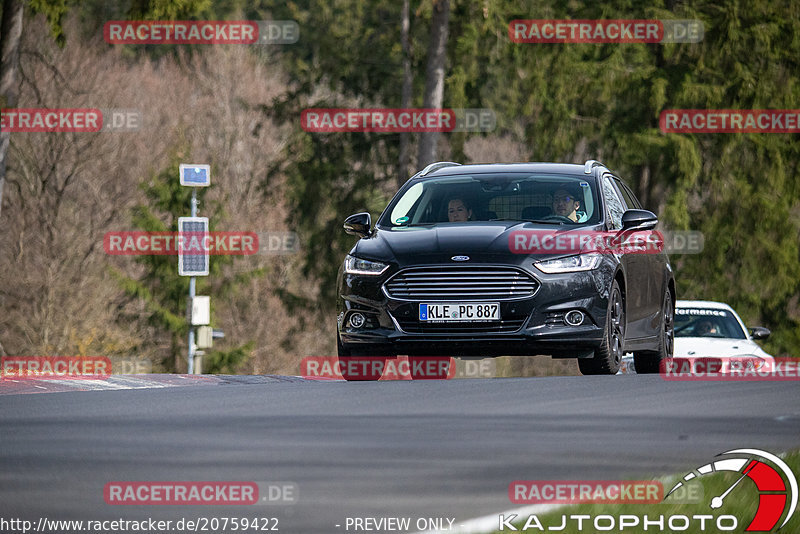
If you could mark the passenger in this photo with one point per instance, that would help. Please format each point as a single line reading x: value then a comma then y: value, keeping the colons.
x: 458, y: 210
x: 565, y: 204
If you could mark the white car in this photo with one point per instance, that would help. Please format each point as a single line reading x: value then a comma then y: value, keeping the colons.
x: 706, y: 329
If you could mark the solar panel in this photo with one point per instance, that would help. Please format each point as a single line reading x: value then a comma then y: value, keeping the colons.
x: 193, y: 258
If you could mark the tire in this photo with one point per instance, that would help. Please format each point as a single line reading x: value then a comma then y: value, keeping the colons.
x: 608, y: 356
x: 649, y: 362
x: 359, y: 361
x: 340, y: 349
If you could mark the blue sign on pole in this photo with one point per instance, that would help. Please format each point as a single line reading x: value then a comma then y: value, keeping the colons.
x: 195, y: 175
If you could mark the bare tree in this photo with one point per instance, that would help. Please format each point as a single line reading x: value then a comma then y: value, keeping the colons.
x: 434, y: 76
x: 10, y: 32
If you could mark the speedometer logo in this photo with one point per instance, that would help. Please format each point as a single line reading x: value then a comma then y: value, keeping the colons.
x: 777, y: 488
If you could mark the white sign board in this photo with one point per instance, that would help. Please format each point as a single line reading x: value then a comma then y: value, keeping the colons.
x: 201, y: 311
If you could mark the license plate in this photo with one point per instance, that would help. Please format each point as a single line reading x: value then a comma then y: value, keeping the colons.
x: 447, y: 312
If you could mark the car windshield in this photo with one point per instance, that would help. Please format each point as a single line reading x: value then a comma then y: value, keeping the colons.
x: 546, y: 198
x: 707, y: 322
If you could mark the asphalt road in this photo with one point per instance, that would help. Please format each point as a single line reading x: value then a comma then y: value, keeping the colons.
x: 423, y: 449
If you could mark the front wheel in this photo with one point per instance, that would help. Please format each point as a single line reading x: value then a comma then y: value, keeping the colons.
x: 358, y: 368
x: 648, y: 362
x: 608, y: 356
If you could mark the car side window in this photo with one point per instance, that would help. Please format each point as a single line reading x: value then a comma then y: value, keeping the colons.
x: 614, y: 205
x: 627, y: 195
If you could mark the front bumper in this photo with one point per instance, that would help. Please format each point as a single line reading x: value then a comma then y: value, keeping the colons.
x: 529, y: 326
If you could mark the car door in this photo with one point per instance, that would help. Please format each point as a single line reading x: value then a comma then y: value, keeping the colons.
x: 652, y: 264
x: 632, y: 264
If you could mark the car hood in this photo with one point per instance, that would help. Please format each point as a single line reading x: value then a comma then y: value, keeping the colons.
x: 700, y: 347
x: 482, y: 242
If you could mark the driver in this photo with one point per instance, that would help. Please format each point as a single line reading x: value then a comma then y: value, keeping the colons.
x: 566, y: 204
x: 458, y: 210
x: 705, y: 328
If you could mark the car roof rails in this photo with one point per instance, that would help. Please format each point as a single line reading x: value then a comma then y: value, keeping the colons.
x: 434, y: 166
x: 591, y: 164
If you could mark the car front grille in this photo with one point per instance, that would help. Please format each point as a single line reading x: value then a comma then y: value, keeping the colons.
x: 461, y: 284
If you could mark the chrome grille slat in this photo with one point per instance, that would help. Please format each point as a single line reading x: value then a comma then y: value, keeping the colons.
x: 467, y: 282
x: 463, y: 278
x: 460, y: 272
x: 459, y: 291
x: 465, y: 296
x: 471, y: 282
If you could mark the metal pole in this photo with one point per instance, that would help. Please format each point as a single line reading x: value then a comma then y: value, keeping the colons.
x: 191, y: 295
x: 191, y: 330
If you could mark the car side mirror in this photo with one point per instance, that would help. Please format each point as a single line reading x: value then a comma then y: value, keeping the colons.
x: 639, y: 220
x: 358, y: 224
x: 759, y: 332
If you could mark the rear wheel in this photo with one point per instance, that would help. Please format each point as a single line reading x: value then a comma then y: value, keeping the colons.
x: 608, y: 356
x: 648, y: 362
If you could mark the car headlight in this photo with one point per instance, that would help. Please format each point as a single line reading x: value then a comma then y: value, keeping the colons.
x: 747, y: 362
x: 570, y: 264
x: 353, y: 265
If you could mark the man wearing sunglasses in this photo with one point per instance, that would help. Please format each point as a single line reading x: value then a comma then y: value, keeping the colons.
x: 566, y: 204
